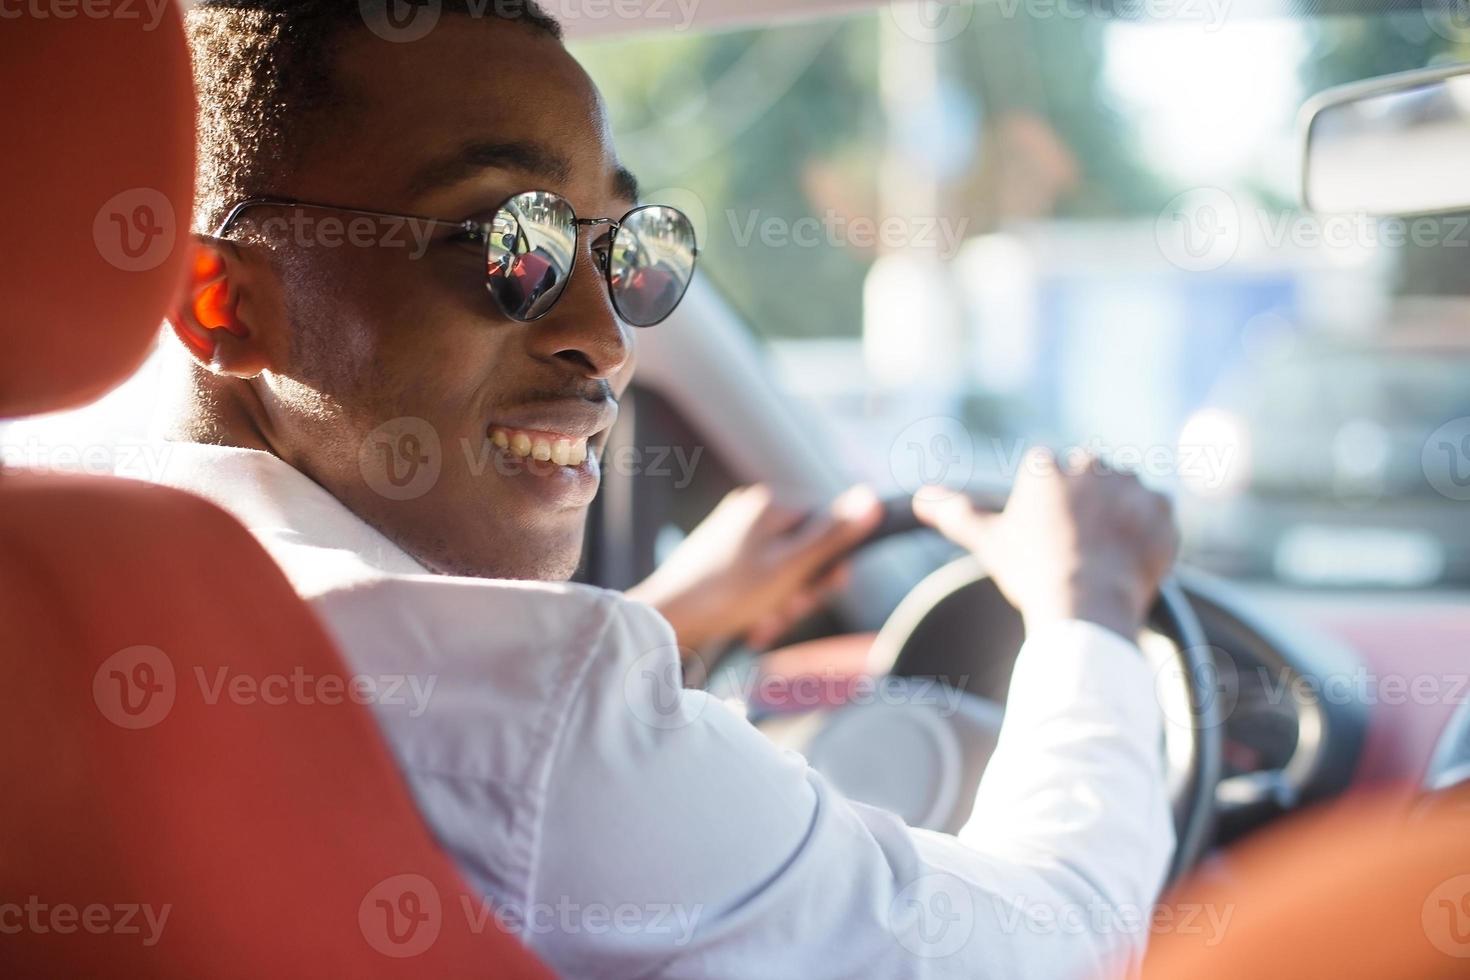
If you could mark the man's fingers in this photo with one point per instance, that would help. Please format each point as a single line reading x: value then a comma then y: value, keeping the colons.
x: 775, y: 625
x: 955, y: 517
x: 851, y: 518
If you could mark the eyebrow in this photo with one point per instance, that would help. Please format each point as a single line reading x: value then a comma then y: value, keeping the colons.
x: 471, y: 158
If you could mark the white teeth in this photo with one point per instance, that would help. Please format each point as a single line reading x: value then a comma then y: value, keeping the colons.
x: 561, y: 451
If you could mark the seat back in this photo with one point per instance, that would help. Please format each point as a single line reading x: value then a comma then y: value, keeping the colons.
x: 194, y: 785
x: 1376, y: 888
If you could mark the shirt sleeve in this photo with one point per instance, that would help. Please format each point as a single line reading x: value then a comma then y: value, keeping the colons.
x: 678, y: 841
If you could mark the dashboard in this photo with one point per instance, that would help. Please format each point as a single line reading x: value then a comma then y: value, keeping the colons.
x: 1295, y: 713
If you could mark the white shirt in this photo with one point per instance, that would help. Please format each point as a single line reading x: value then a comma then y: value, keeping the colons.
x: 628, y: 829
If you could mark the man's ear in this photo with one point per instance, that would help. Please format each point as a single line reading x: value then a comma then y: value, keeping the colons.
x: 207, y: 317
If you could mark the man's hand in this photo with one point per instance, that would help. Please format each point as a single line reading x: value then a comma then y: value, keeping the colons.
x: 753, y: 568
x: 1084, y: 544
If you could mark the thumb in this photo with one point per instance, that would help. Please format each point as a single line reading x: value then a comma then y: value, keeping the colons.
x: 851, y: 518
x: 953, y: 515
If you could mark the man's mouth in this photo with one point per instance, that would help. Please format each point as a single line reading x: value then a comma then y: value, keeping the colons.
x: 552, y: 447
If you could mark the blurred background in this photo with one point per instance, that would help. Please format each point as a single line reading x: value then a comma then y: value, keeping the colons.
x: 1084, y: 231
x: 1067, y: 228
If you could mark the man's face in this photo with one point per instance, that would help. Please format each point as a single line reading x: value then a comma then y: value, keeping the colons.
x: 399, y: 365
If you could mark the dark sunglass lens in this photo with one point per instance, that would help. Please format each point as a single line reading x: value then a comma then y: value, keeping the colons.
x: 528, y: 259
x: 652, y: 263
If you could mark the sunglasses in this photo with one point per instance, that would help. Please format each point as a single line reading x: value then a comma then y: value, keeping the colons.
x: 529, y: 252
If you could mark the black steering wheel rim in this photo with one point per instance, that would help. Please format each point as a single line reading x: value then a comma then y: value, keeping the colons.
x: 1172, y: 616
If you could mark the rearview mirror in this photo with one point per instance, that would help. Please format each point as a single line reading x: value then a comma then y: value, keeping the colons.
x: 1396, y: 145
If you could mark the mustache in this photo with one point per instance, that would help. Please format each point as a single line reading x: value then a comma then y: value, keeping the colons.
x: 588, y: 390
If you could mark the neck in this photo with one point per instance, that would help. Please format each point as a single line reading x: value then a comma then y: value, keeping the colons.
x: 212, y: 409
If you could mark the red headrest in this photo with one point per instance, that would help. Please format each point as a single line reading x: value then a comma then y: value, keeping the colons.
x: 96, y: 189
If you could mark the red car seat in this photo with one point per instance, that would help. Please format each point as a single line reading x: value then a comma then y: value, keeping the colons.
x: 159, y: 820
x: 1371, y: 888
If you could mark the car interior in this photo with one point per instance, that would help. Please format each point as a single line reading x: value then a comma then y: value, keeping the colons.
x: 1216, y: 240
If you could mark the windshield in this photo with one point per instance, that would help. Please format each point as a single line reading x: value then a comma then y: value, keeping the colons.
x: 963, y: 228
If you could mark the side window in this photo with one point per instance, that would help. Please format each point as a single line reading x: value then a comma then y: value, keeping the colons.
x: 659, y: 480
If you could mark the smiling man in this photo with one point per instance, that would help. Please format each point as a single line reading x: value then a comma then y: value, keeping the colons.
x: 407, y: 328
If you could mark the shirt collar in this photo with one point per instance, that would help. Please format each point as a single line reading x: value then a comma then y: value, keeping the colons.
x: 318, y: 541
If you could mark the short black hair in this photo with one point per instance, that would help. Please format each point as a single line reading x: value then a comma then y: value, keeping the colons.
x: 263, y: 77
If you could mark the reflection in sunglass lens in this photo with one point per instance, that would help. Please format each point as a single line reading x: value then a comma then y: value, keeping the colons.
x: 651, y: 264
x: 528, y: 257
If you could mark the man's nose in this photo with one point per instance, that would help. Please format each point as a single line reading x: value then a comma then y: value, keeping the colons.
x: 583, y: 331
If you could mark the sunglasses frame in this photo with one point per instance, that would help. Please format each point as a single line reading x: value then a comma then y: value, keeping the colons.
x: 482, y: 230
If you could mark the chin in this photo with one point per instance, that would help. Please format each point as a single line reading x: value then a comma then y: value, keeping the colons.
x: 543, y: 556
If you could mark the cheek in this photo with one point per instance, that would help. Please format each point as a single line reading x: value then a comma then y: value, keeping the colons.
x: 387, y: 335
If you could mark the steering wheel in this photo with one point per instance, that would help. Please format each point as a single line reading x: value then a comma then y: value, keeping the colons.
x: 919, y: 743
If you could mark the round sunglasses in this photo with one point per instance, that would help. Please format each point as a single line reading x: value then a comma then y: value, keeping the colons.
x: 529, y: 252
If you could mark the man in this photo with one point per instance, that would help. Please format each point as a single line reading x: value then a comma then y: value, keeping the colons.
x: 557, y: 779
